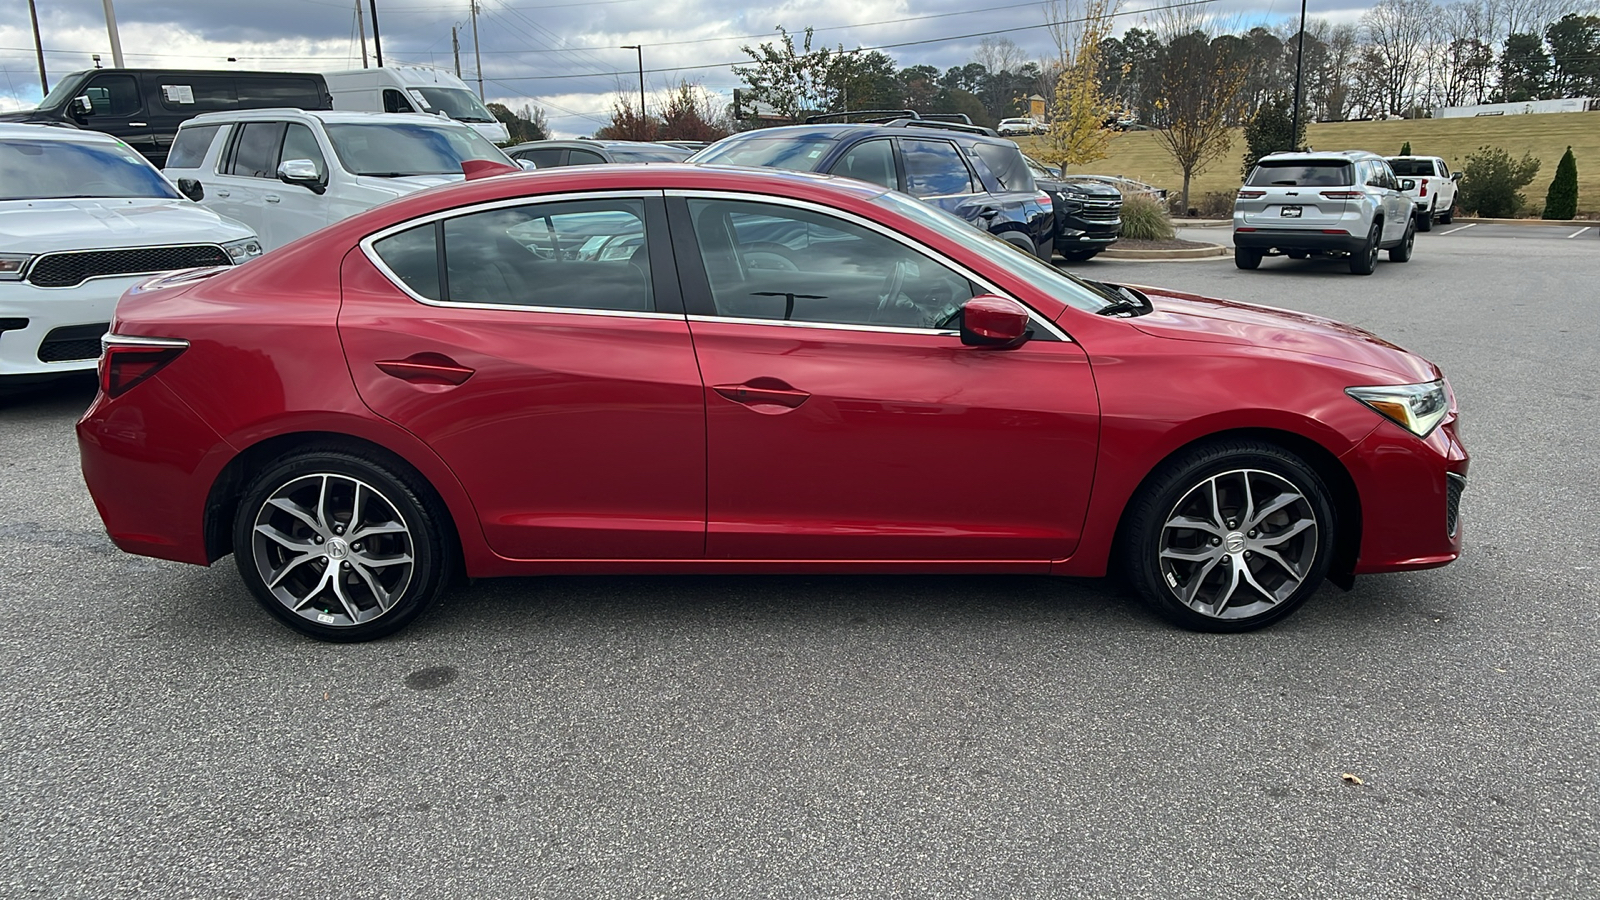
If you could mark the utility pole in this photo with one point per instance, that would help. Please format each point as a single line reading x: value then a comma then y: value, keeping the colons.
x: 1299, y: 69
x: 377, y: 42
x: 361, y: 26
x: 116, y: 40
x: 640, y: 49
x: 476, y: 54
x: 455, y: 47
x: 38, y: 48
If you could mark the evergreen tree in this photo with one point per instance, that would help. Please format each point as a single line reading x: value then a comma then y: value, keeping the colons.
x: 1562, y: 200
x: 1268, y: 131
x: 1405, y: 149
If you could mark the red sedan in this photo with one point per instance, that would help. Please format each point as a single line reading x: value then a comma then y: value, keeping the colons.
x: 686, y: 369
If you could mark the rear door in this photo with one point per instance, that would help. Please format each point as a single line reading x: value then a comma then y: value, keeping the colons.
x: 1298, y: 194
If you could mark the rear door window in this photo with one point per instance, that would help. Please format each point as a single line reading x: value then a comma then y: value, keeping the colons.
x: 934, y: 168
x: 261, y: 92
x: 543, y: 157
x: 193, y: 94
x: 871, y: 161
x: 578, y: 157
x: 1302, y: 173
x: 1008, y: 165
x: 587, y: 254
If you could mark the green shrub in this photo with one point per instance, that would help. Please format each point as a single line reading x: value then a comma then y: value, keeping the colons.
x: 1561, y: 202
x: 1492, y: 182
x: 1144, y: 218
x: 1217, y: 204
x: 1405, y: 149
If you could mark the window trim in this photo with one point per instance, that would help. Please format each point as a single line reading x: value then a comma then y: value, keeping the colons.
x: 437, y: 218
x: 688, y: 251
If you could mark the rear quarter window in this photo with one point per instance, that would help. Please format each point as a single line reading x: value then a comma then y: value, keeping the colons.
x: 1007, y: 164
x: 190, y: 146
x: 1302, y: 173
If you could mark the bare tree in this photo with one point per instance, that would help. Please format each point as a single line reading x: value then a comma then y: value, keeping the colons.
x: 1396, y: 33
x: 998, y: 55
x: 1200, y: 83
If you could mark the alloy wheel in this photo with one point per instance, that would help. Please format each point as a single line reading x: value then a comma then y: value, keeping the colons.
x: 1238, y: 544
x: 332, y: 549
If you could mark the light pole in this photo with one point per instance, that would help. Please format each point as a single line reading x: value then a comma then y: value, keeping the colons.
x: 640, y: 49
x: 1299, y: 69
x: 116, y: 39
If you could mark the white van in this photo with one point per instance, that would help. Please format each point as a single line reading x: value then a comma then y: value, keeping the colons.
x: 414, y: 89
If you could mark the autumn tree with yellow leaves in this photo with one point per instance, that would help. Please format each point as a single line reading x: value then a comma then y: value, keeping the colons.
x: 1080, y: 129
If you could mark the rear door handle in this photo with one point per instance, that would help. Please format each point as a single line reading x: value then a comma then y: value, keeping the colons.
x: 763, y: 392
x: 426, y: 368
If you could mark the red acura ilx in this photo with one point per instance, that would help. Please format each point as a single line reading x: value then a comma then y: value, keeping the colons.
x: 688, y: 369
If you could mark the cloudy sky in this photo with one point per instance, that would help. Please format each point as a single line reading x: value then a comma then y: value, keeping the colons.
x: 563, y: 55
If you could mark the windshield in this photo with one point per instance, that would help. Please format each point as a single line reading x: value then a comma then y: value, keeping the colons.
x: 799, y: 155
x: 1058, y: 284
x: 461, y: 105
x: 648, y: 154
x: 57, y: 169
x: 412, y: 148
x: 1302, y: 173
x: 64, y: 91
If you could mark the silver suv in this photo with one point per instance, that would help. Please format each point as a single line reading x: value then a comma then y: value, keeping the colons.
x: 1344, y: 203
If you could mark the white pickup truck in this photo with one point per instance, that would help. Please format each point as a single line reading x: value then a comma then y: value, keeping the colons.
x: 1435, y: 192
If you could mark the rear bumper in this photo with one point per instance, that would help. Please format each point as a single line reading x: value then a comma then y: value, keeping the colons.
x: 1292, y: 239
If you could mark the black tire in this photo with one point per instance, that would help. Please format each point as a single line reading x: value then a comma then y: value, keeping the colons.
x: 1401, y: 252
x: 1166, y: 564
x: 1247, y: 257
x: 1449, y: 215
x: 1425, y: 221
x: 399, y: 519
x: 1081, y: 255
x: 1363, y: 261
x: 1296, y: 254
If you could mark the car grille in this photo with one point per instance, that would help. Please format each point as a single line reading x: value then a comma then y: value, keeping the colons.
x: 1101, y: 210
x: 72, y: 342
x: 1454, y: 485
x: 76, y: 267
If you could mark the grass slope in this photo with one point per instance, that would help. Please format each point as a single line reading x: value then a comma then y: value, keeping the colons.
x: 1137, y: 154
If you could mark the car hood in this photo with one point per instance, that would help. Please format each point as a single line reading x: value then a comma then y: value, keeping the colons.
x: 406, y: 184
x: 1188, y: 317
x: 1086, y: 188
x: 46, y: 226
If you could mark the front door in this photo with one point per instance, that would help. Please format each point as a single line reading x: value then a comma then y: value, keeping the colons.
x: 845, y: 419
x: 542, y: 352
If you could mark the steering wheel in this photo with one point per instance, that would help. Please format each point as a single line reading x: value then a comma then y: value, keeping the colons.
x: 891, y: 287
x: 769, y: 256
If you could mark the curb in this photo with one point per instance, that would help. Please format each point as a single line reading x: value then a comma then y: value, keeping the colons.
x: 1202, y: 223
x: 1209, y: 251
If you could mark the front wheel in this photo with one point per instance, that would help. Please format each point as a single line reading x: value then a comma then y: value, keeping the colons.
x: 1229, y: 537
x: 1247, y: 257
x: 1401, y: 252
x: 340, y: 547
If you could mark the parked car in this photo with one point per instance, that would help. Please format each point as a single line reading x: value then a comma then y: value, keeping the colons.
x: 552, y: 154
x: 1346, y: 203
x: 286, y: 173
x: 82, y: 218
x: 423, y: 89
x: 1088, y: 213
x: 958, y: 168
x: 144, y: 107
x: 1008, y: 127
x: 1434, y: 190
x: 807, y: 375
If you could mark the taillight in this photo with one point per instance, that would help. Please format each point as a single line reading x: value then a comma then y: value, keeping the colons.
x: 1044, y: 200
x: 126, y: 360
x: 1424, y: 188
x: 1342, y: 195
x: 1251, y: 195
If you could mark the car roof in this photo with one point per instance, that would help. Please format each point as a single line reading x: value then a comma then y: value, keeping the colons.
x: 592, y: 142
x: 839, y: 130
x: 54, y: 133
x: 1321, y: 154
x: 326, y: 116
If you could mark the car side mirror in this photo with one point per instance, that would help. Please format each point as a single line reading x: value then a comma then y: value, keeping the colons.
x: 998, y: 323
x: 304, y: 173
x: 1455, y: 176
x: 1408, y: 184
x: 82, y: 105
x: 190, y: 187
x: 527, y: 165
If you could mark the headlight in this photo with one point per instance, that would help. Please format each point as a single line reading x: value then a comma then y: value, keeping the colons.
x: 243, y: 251
x: 1418, y: 408
x: 12, y: 265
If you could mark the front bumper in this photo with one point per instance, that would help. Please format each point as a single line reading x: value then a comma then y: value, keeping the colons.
x: 1294, y: 239
x: 46, y: 331
x: 1410, y: 490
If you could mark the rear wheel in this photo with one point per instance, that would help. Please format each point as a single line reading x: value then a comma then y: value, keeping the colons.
x: 1246, y: 257
x: 1402, y: 251
x: 1449, y: 215
x: 1229, y: 537
x: 340, y: 547
x: 1363, y: 261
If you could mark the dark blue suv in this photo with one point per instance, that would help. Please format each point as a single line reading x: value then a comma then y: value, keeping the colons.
x: 979, y: 177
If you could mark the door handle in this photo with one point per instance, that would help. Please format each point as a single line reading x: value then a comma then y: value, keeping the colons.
x: 273, y: 198
x: 763, y: 392
x: 222, y: 193
x: 136, y: 125
x: 988, y: 212
x: 426, y: 368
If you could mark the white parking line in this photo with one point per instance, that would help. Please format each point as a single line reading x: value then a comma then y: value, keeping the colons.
x: 1578, y: 232
x: 1462, y: 228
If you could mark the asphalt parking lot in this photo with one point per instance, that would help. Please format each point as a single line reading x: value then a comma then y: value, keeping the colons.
x: 855, y: 737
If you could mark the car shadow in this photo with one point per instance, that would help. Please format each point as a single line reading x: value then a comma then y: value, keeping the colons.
x: 68, y: 394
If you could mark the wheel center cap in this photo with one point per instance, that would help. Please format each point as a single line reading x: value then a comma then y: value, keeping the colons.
x: 1233, y: 543
x: 337, y: 549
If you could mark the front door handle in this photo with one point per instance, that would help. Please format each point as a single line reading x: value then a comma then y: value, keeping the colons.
x: 426, y: 368
x: 759, y: 392
x: 222, y: 193
x: 273, y: 198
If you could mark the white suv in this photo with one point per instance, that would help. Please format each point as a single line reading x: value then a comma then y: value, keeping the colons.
x: 289, y: 172
x: 1347, y: 203
x: 1435, y: 192
x: 82, y: 219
